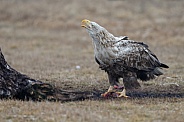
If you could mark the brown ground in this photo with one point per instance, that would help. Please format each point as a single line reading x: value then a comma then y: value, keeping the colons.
x: 43, y: 39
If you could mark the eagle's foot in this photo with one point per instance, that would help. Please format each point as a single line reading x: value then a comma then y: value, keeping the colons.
x: 122, y: 94
x: 119, y: 94
x: 110, y: 92
x: 113, y: 93
x: 107, y: 94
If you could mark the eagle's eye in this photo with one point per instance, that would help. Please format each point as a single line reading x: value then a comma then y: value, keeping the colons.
x: 94, y: 27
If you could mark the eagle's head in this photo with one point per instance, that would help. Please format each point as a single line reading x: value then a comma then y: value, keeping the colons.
x: 97, y: 32
x: 92, y: 27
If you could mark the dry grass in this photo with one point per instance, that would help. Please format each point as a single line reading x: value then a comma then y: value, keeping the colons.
x: 44, y: 40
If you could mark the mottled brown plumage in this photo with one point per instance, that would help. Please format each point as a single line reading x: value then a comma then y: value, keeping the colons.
x: 123, y: 58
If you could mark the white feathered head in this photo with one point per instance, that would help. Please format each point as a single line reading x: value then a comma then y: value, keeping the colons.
x: 97, y: 32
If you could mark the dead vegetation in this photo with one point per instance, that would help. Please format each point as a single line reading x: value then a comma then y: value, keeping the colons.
x: 44, y: 40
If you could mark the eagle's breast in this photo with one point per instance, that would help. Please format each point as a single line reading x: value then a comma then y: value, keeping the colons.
x: 106, y: 55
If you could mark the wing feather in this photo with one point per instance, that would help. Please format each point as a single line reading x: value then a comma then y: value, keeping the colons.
x: 136, y: 55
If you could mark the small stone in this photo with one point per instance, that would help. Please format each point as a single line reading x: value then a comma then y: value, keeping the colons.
x: 77, y: 67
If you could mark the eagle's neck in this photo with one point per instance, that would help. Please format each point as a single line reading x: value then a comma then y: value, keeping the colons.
x: 103, y: 38
x: 102, y: 42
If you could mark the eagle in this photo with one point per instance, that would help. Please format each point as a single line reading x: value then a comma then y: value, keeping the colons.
x: 122, y: 58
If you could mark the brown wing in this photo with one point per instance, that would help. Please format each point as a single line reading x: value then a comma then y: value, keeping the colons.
x: 138, y: 57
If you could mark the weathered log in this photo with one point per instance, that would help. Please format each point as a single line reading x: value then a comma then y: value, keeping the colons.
x: 14, y: 85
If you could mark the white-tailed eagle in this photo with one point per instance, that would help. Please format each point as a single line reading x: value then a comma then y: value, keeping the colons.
x: 122, y: 58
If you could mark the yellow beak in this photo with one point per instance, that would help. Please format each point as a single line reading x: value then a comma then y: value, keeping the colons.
x: 85, y: 23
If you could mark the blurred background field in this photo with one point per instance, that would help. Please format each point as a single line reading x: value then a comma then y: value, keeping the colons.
x: 44, y: 39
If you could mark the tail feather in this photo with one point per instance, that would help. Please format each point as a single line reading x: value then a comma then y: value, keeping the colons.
x: 147, y: 75
x: 157, y: 71
x: 164, y: 65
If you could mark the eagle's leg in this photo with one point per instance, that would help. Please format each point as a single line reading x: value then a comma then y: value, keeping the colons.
x: 130, y: 82
x: 122, y: 94
x: 113, y: 80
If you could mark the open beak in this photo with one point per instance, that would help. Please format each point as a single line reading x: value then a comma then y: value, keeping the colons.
x: 85, y: 23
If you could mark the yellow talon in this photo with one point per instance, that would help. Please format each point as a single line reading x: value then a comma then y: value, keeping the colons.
x: 122, y: 94
x: 109, y: 92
